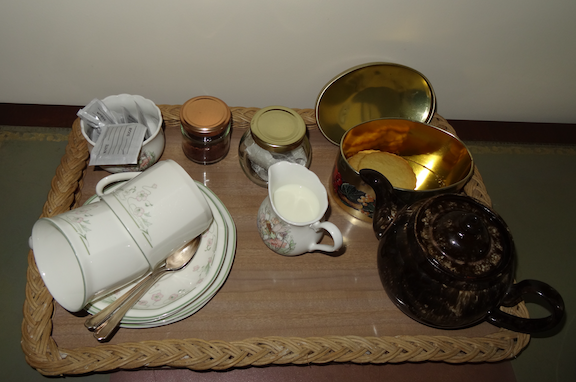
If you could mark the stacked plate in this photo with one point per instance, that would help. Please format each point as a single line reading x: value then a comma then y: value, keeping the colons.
x: 180, y: 294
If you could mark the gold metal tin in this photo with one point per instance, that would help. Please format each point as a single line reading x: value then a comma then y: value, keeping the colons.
x: 442, y: 162
x: 372, y: 91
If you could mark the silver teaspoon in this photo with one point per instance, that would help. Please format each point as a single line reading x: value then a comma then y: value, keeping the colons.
x: 105, y: 322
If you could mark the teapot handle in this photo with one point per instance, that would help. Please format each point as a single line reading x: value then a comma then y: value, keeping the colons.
x: 387, y: 205
x: 528, y: 325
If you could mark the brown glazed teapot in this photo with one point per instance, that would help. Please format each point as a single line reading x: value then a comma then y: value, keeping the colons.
x: 448, y: 262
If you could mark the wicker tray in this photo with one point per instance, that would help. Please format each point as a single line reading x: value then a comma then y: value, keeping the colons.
x: 42, y: 351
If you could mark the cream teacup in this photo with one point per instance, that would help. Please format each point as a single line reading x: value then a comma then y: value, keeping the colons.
x: 84, y: 253
x: 162, y: 207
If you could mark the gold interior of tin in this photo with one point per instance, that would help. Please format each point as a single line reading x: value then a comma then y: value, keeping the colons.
x: 438, y: 158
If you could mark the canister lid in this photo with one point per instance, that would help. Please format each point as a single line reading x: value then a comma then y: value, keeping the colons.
x: 277, y: 128
x: 204, y: 115
x: 372, y: 91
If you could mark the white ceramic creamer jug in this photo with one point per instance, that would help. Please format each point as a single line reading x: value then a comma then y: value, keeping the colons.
x: 289, y: 219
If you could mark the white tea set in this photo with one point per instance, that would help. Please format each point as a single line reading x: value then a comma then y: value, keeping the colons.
x: 134, y: 228
x: 109, y: 255
x: 129, y: 228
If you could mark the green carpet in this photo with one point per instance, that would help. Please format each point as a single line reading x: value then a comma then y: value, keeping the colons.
x: 28, y: 161
x: 531, y: 186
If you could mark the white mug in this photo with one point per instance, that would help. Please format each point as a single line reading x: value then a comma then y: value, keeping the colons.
x: 290, y: 218
x: 162, y: 207
x: 84, y: 253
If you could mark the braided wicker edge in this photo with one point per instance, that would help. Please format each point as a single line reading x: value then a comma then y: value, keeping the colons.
x: 42, y: 352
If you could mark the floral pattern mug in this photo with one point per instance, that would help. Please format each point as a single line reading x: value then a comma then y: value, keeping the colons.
x: 161, y: 207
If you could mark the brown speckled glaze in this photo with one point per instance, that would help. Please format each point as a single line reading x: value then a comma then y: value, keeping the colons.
x: 448, y: 262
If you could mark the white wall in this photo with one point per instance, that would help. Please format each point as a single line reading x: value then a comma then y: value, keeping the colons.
x: 507, y: 60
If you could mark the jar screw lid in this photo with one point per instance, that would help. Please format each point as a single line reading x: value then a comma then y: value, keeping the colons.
x: 277, y: 128
x: 204, y: 114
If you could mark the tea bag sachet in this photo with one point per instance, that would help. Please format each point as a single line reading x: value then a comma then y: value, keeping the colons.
x: 261, y: 159
x: 118, y: 144
x: 97, y: 115
x: 144, y: 121
x: 124, y: 116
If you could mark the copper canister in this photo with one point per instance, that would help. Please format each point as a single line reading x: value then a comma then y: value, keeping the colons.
x: 206, y: 127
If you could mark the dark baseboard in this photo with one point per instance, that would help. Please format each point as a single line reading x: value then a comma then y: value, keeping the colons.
x: 12, y: 114
x: 17, y: 114
x: 515, y: 132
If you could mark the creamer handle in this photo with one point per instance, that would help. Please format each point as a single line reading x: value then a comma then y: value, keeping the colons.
x: 333, y: 231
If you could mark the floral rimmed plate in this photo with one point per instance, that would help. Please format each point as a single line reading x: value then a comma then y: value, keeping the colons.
x: 180, y: 289
x: 197, y: 304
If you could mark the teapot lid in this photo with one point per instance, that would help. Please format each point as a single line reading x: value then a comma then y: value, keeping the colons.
x: 463, y: 238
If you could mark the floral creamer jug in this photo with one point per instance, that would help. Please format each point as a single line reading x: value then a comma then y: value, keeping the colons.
x: 291, y: 218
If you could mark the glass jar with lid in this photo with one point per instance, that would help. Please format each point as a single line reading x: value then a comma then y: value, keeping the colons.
x: 276, y: 134
x: 205, y: 126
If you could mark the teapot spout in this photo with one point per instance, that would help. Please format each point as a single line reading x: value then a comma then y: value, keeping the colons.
x: 387, y: 203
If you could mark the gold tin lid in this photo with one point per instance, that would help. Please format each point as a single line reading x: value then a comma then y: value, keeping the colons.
x: 204, y: 115
x: 373, y: 91
x: 277, y: 128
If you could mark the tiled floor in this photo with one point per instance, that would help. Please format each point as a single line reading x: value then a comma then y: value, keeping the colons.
x: 532, y: 187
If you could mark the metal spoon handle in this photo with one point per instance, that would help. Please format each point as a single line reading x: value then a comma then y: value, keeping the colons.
x: 106, y: 328
x: 97, y: 319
